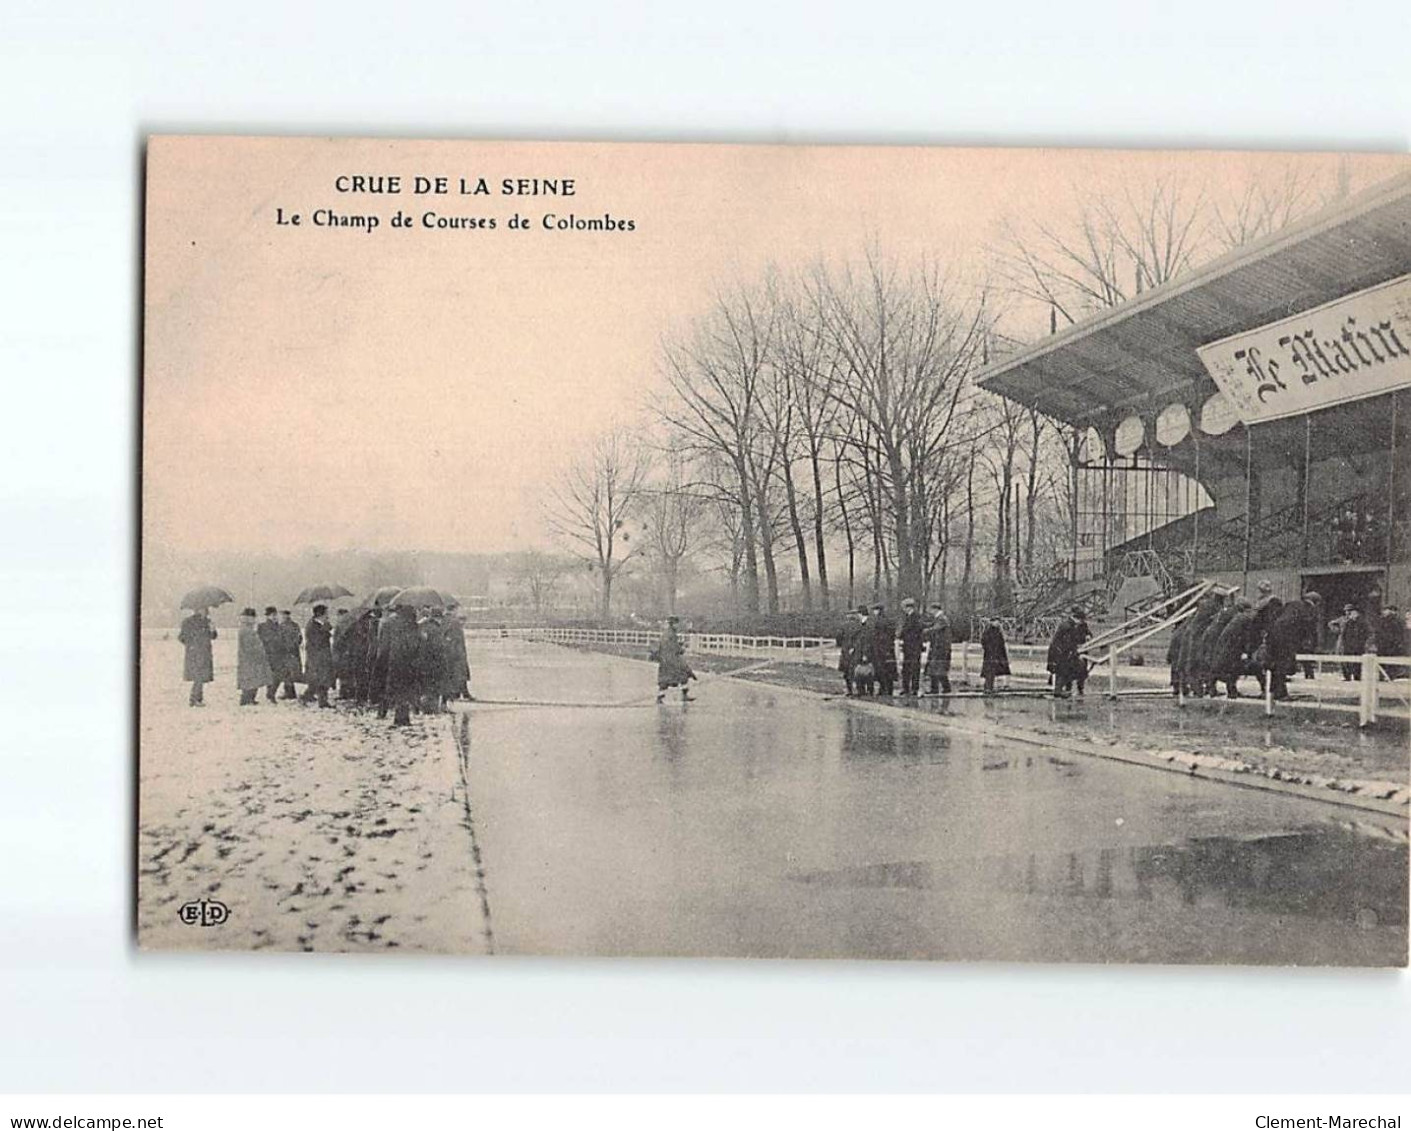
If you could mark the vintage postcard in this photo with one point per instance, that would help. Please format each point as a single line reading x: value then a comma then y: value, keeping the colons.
x: 775, y: 551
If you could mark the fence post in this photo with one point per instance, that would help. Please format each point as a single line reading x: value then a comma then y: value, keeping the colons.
x: 1367, y: 705
x: 1111, y: 673
x: 965, y: 661
x: 1268, y: 694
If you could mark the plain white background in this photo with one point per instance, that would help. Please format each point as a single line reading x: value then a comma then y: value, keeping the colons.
x: 80, y: 85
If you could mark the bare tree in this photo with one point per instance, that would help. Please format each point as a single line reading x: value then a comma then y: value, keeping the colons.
x: 674, y: 512
x: 713, y: 378
x: 593, y: 500
x: 907, y: 345
x: 536, y: 574
x: 1111, y: 249
x: 1265, y: 204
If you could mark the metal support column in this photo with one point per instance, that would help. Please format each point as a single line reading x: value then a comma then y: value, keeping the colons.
x: 1391, y: 483
x: 1248, y: 497
x: 1307, y: 479
x: 1195, y: 537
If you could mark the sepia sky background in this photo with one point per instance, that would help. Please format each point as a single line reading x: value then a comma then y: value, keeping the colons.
x: 325, y: 388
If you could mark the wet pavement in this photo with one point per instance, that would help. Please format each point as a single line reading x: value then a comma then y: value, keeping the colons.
x: 760, y: 821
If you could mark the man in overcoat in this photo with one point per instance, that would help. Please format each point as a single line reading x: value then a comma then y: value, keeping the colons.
x: 938, y: 642
x: 1206, y: 610
x: 847, y: 639
x: 431, y: 661
x: 912, y: 634
x: 1067, y: 666
x: 995, y: 655
x: 342, y: 622
x: 196, y: 635
x: 252, y: 670
x: 399, y: 646
x: 457, y: 681
x: 1207, y: 662
x: 291, y: 654
x: 1234, y: 645
x: 672, y: 668
x: 864, y: 669
x: 318, y: 657
x: 884, y: 650
x: 1294, y: 630
x: 268, y: 630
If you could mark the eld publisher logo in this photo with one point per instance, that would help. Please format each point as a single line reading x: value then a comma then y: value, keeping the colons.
x: 204, y: 913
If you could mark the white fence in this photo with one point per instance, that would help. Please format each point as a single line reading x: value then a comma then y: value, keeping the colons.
x: 965, y: 657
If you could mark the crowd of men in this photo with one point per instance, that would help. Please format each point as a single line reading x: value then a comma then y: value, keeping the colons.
x: 867, y: 646
x: 399, y: 659
x: 1230, y: 637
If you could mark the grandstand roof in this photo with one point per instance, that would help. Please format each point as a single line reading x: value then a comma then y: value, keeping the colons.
x: 1145, y: 348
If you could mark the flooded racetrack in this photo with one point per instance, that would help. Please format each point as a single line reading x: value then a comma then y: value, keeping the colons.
x: 762, y: 822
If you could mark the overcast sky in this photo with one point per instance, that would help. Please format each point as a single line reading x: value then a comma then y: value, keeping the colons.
x: 321, y: 387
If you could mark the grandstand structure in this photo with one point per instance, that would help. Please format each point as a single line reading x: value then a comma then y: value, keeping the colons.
x: 1248, y: 420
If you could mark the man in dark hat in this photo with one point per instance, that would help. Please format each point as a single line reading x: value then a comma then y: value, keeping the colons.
x: 318, y: 658
x: 912, y: 633
x: 938, y: 641
x: 847, y: 648
x: 1390, y: 634
x: 252, y: 670
x: 884, y: 650
x: 291, y: 638
x: 1295, y: 629
x: 268, y: 630
x: 196, y: 635
x: 399, y: 646
x: 341, y: 674
x: 431, y: 661
x: 864, y: 670
x: 1064, y: 662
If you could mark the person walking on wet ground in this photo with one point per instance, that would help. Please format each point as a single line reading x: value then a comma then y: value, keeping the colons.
x: 912, y: 634
x: 196, y: 635
x: 291, y: 655
x: 268, y: 630
x: 252, y: 670
x: 1293, y: 630
x: 672, y: 669
x: 995, y: 655
x: 1064, y: 661
x: 884, y: 650
x: 938, y: 642
x: 318, y: 658
x: 847, y: 640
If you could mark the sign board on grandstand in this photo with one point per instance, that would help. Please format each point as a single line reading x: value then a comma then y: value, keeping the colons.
x: 1345, y: 350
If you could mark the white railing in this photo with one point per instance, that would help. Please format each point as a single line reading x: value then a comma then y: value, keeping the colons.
x: 965, y: 655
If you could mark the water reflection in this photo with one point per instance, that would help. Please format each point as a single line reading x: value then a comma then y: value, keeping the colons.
x: 1323, y: 873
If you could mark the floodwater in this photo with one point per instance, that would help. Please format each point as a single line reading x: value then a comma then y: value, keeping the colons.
x: 761, y: 822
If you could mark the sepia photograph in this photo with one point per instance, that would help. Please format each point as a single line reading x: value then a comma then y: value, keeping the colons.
x: 774, y: 551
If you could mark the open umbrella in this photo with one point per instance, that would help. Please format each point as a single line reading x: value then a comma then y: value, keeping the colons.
x: 205, y: 597
x: 418, y: 595
x: 321, y: 593
x: 380, y: 597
